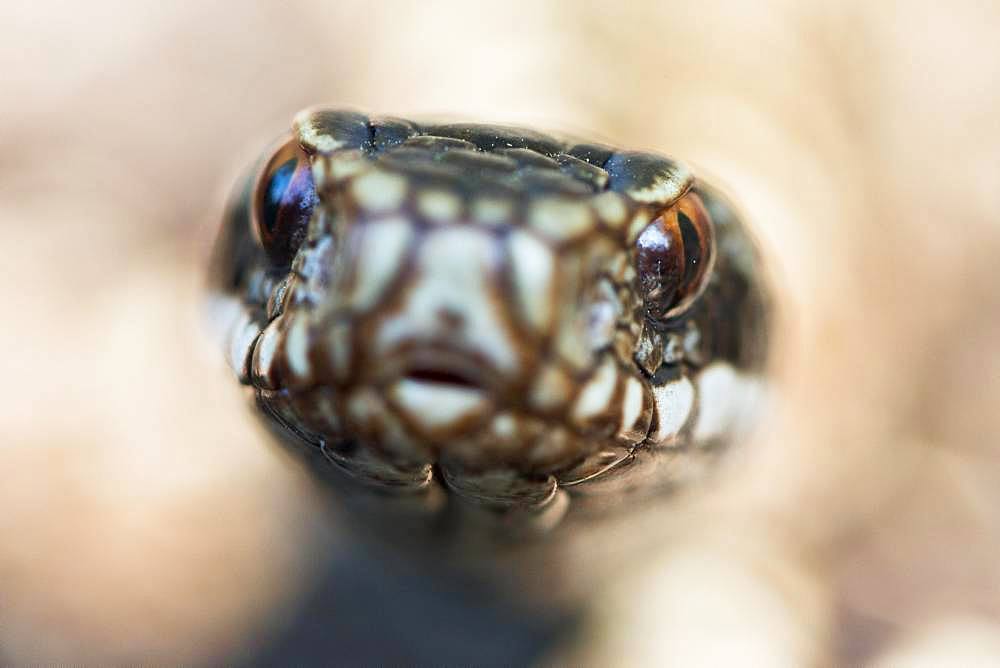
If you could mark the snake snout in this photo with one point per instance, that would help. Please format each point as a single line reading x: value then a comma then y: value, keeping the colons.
x: 428, y: 302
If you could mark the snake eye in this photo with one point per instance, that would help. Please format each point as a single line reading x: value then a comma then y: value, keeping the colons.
x: 284, y: 197
x: 674, y: 258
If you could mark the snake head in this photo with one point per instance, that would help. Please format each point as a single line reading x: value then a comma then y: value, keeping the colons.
x: 465, y: 296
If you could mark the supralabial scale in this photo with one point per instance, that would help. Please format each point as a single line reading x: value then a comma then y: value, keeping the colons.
x: 485, y: 325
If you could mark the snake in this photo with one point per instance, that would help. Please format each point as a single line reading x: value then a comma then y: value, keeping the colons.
x: 489, y: 316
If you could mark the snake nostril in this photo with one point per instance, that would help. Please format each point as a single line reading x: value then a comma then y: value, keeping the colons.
x: 450, y: 319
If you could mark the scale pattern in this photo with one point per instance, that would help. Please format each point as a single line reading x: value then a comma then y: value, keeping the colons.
x: 462, y: 316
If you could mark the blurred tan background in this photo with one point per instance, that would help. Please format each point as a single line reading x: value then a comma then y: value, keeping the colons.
x: 143, y: 520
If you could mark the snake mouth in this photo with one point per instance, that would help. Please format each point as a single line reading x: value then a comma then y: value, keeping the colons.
x: 442, y: 377
x: 440, y: 366
x: 440, y: 398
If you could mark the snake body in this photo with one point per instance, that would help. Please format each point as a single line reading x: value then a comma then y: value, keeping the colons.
x: 489, y: 315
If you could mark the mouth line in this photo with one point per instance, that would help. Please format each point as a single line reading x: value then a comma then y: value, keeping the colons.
x: 439, y: 396
x: 441, y: 368
x: 441, y: 376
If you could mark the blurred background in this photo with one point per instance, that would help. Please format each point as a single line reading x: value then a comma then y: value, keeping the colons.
x: 142, y: 518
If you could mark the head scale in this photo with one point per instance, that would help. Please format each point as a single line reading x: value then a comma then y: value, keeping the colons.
x: 468, y: 295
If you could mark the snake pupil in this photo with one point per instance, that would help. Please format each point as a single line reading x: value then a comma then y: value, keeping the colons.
x: 275, y: 194
x: 660, y: 260
x: 285, y: 199
x: 692, y: 246
x: 674, y: 255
